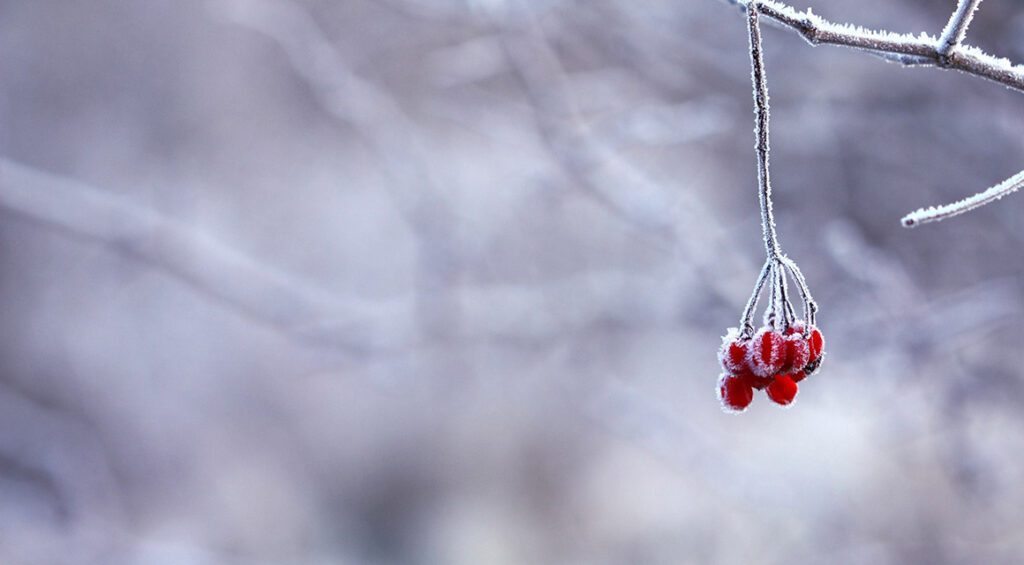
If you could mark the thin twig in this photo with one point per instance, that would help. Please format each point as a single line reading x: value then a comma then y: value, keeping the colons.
x: 746, y: 321
x: 810, y: 307
x: 946, y: 52
x: 956, y: 29
x: 934, y: 214
x: 771, y: 239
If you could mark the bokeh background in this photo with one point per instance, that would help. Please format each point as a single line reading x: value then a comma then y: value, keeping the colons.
x: 442, y: 282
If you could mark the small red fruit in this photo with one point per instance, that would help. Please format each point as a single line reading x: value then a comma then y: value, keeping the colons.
x: 734, y: 393
x: 755, y: 381
x: 783, y: 390
x: 767, y: 352
x: 798, y: 376
x: 798, y: 353
x: 816, y: 343
x: 733, y: 353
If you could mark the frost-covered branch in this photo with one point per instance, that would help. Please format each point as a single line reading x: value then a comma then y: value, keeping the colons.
x: 956, y: 29
x: 917, y: 50
x: 934, y: 214
x: 947, y: 52
x: 761, y: 111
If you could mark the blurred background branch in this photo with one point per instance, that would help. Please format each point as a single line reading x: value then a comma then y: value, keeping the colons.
x: 298, y: 281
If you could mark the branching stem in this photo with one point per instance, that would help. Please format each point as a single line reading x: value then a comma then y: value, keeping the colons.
x: 948, y: 52
x: 916, y: 50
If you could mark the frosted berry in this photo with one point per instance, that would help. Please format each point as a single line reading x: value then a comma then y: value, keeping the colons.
x: 755, y: 381
x: 733, y: 353
x: 784, y: 352
x: 798, y: 353
x: 767, y: 352
x: 782, y: 390
x: 734, y: 392
x: 816, y: 343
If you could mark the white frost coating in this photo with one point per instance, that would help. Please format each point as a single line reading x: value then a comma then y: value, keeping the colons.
x: 936, y: 213
x: 724, y: 359
x: 761, y: 365
x: 720, y: 391
x: 918, y: 50
x: 956, y: 29
x: 922, y: 50
x: 798, y: 353
x: 997, y: 64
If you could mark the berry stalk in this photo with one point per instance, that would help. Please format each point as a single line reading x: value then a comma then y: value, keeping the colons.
x: 787, y: 348
x: 761, y: 115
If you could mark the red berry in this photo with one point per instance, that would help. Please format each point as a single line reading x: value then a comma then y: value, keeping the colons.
x: 798, y: 376
x: 734, y: 393
x: 755, y: 381
x: 798, y: 353
x: 816, y: 343
x: 767, y: 352
x: 782, y: 390
x: 733, y: 353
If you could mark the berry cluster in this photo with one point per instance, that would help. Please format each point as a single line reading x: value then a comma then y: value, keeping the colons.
x: 786, y: 349
x: 770, y: 360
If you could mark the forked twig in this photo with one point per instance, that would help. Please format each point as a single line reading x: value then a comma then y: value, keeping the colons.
x: 956, y: 29
x: 916, y: 50
x: 946, y: 51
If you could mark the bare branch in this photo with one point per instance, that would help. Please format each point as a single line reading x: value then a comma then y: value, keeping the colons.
x: 934, y: 214
x: 956, y: 29
x: 310, y: 316
x: 920, y: 50
x: 215, y: 269
x: 945, y: 52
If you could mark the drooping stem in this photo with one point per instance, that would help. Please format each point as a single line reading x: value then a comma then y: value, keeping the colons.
x: 810, y: 307
x: 777, y: 268
x: 746, y: 325
x: 788, y: 315
x: 771, y: 242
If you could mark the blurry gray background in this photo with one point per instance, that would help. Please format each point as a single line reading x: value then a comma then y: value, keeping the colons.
x: 442, y: 282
